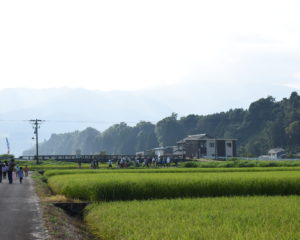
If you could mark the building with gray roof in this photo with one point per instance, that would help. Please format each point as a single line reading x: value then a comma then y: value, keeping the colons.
x: 206, y: 146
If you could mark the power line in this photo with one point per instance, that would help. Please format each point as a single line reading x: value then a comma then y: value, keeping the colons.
x: 74, y: 121
x: 12, y: 120
x: 87, y: 121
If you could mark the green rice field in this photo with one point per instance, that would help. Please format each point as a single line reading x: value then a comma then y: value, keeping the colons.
x: 222, y: 218
x: 186, y: 203
x: 130, y: 186
x: 54, y: 172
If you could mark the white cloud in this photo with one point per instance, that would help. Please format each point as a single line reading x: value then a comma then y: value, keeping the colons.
x: 137, y: 44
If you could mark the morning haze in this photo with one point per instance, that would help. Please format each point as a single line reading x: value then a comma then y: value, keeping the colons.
x: 150, y: 120
x: 67, y: 110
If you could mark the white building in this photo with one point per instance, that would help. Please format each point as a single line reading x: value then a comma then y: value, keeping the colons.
x: 276, y: 153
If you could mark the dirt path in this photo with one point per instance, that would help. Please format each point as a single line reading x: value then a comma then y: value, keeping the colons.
x: 20, y: 218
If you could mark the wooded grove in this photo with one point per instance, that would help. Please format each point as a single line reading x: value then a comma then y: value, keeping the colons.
x: 265, y: 124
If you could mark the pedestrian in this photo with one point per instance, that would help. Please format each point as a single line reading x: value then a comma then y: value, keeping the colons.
x: 122, y: 162
x: 137, y: 162
x: 168, y: 161
x: 17, y: 168
x: 159, y: 161
x: 11, y: 166
x: 4, y: 169
x: 153, y: 162
x: 26, y: 170
x: 1, y: 164
x: 176, y: 162
x: 109, y: 164
x: 21, y: 174
x: 163, y: 162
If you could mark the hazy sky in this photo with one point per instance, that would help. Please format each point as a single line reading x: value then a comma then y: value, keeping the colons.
x: 210, y: 55
x: 131, y: 45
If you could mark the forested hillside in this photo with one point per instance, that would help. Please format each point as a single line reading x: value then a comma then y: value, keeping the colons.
x: 266, y: 124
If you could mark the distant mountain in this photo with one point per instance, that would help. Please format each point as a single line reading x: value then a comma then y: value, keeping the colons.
x: 67, y: 109
x: 265, y: 124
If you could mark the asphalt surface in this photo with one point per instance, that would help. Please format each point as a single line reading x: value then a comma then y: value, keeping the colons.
x: 20, y: 217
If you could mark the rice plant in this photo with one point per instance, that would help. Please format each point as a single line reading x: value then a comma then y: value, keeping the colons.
x: 238, y: 218
x: 50, y: 173
x: 130, y: 186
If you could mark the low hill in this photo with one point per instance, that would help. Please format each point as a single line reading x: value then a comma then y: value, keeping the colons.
x: 265, y: 124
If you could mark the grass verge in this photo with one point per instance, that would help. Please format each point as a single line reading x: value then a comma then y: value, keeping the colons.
x: 58, y: 223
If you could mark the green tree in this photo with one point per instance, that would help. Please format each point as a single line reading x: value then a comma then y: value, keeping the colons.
x: 145, y: 138
x: 293, y: 133
x: 169, y: 131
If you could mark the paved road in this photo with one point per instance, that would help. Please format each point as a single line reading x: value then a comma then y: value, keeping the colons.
x: 20, y: 218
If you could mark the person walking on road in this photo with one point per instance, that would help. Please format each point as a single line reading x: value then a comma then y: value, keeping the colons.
x: 4, y: 169
x: 26, y: 170
x: 21, y: 174
x: 11, y: 166
x: 17, y: 168
x: 1, y: 165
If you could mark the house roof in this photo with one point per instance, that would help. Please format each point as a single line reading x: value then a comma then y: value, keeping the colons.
x: 197, y: 137
x: 164, y: 148
x: 202, y: 136
x: 159, y: 148
x: 276, y: 150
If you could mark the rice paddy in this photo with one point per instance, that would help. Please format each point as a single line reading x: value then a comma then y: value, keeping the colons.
x: 186, y: 203
x: 131, y: 186
x: 54, y: 172
x: 224, y: 218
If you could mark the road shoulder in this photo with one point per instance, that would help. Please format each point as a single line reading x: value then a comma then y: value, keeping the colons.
x: 57, y: 222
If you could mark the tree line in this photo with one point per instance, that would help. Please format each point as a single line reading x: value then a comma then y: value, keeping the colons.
x: 265, y: 124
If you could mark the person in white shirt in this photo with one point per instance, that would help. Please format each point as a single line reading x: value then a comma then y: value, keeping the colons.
x: 168, y: 161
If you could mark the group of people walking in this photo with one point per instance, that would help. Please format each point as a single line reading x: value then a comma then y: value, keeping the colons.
x: 8, y: 168
x: 155, y: 162
x: 145, y: 162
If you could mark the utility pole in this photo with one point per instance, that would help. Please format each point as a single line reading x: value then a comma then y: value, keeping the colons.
x: 36, y: 125
x: 8, y: 148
